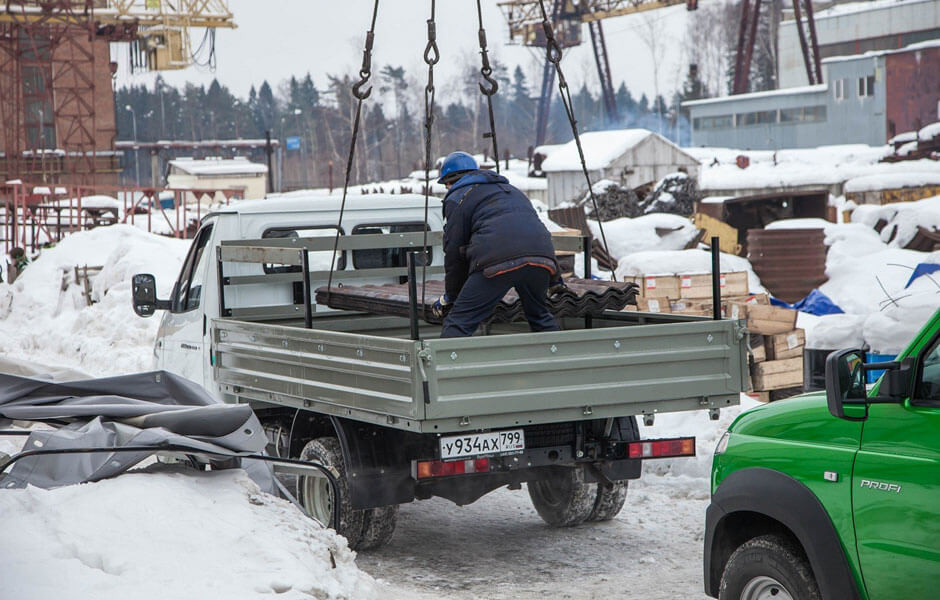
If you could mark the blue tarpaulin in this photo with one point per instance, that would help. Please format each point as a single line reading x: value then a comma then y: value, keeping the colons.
x: 815, y: 303
x: 922, y: 269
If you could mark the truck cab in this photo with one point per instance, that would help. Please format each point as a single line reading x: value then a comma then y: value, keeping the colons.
x: 834, y: 494
x: 183, y: 345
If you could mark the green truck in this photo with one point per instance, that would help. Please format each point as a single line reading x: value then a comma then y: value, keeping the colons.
x: 834, y: 494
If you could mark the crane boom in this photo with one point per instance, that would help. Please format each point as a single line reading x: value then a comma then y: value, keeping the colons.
x: 142, y: 13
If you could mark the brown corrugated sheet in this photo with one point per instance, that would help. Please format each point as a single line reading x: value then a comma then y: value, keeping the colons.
x: 790, y: 262
x: 583, y: 297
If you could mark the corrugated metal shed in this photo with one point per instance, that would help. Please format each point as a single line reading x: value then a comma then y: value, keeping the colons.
x: 790, y: 262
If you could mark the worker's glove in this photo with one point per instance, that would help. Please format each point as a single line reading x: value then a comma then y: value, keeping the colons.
x: 441, y: 307
x: 556, y: 287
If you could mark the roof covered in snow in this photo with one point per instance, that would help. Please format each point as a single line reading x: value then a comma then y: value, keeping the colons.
x: 310, y: 200
x: 601, y: 149
x: 212, y: 167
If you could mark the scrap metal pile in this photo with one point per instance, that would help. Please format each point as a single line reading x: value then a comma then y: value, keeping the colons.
x: 583, y: 297
x: 675, y: 193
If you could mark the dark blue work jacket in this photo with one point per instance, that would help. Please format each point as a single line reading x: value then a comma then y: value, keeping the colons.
x: 489, y: 224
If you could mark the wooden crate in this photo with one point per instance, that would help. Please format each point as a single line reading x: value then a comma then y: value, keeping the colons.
x: 756, y: 346
x: 763, y: 318
x: 777, y: 374
x: 748, y: 299
x: 692, y: 307
x: 659, y: 286
x: 785, y: 345
x: 699, y: 285
x: 656, y: 305
x: 774, y: 395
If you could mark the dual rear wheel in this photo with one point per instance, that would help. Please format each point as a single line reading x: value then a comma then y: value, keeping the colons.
x: 565, y: 500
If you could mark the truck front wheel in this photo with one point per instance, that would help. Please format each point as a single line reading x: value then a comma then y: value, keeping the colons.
x: 771, y: 567
x: 563, y: 499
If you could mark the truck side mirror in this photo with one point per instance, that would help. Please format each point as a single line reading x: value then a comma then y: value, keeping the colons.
x: 845, y: 384
x: 144, y: 295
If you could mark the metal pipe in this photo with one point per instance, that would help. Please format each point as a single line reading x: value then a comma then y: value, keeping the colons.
x: 587, y: 243
x: 305, y: 266
x: 413, y: 294
x: 716, y: 277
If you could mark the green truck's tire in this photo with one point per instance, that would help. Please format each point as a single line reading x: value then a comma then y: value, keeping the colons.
x: 317, y: 498
x: 609, y: 501
x: 379, y: 527
x: 563, y: 499
x: 768, y: 566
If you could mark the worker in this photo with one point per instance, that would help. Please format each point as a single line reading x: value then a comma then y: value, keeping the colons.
x: 493, y: 241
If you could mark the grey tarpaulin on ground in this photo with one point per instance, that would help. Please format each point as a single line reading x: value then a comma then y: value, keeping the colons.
x: 131, y: 410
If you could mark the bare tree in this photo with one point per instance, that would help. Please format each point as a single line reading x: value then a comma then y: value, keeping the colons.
x: 651, y: 30
x: 710, y: 36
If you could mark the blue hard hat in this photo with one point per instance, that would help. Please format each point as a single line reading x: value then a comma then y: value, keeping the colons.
x: 455, y: 163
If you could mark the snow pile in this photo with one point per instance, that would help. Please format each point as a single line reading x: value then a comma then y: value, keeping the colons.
x: 658, y: 262
x: 867, y: 279
x: 626, y: 236
x: 826, y: 165
x: 182, y: 535
x: 902, y: 218
x: 892, y: 181
x: 40, y: 321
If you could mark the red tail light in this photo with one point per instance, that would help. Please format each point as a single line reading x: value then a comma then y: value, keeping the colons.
x: 439, y: 468
x: 662, y: 448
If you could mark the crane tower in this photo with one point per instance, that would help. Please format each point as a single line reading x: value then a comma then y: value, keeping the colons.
x: 57, y: 119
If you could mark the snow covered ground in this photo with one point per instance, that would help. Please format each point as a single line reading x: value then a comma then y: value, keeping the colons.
x: 195, y: 535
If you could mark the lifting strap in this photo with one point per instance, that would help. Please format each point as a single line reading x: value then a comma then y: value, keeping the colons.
x: 431, y: 56
x: 491, y: 86
x: 553, y: 55
x: 365, y: 73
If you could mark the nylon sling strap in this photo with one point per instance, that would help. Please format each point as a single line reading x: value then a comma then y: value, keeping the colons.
x: 365, y: 73
x: 553, y: 55
x: 488, y: 90
x: 431, y: 56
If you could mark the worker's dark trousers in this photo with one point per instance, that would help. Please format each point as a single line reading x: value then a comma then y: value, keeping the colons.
x: 480, y: 295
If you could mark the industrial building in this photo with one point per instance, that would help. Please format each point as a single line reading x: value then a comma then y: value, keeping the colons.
x: 867, y: 98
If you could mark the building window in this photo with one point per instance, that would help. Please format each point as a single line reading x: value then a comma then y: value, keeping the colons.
x: 719, y: 122
x: 866, y: 86
x: 803, y: 114
x: 760, y: 117
x: 838, y: 88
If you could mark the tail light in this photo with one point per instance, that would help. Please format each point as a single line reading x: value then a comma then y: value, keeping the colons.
x: 439, y: 468
x: 662, y: 448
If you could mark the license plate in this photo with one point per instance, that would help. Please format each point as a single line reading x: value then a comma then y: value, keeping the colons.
x: 478, y: 444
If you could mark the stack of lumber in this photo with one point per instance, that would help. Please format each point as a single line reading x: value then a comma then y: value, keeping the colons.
x: 776, y: 348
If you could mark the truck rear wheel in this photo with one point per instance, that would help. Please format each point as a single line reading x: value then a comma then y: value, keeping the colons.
x: 563, y: 499
x: 379, y: 526
x: 768, y: 566
x: 317, y: 497
x: 609, y: 501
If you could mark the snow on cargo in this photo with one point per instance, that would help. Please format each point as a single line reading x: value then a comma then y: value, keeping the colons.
x: 104, y: 338
x: 659, y: 262
x: 892, y: 181
x: 902, y: 219
x: 169, y: 534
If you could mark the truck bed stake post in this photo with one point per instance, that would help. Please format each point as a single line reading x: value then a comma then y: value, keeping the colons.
x: 305, y: 266
x: 218, y: 262
x: 587, y: 246
x: 716, y: 276
x: 413, y: 295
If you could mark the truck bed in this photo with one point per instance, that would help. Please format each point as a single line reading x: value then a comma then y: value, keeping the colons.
x: 363, y: 367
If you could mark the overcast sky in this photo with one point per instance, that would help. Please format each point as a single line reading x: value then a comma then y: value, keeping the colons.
x: 279, y: 38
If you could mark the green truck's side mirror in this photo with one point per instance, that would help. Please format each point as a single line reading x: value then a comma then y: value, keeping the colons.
x: 144, y: 295
x: 845, y: 383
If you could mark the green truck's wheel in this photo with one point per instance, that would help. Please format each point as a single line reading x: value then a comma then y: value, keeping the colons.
x: 563, y: 499
x: 317, y: 497
x: 609, y: 501
x: 768, y: 567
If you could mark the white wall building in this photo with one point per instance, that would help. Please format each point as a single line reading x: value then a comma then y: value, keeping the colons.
x: 219, y: 173
x: 631, y: 157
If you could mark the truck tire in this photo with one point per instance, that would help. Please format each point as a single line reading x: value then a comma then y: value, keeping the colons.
x: 379, y: 527
x: 315, y: 494
x: 768, y: 566
x: 563, y: 499
x: 609, y: 501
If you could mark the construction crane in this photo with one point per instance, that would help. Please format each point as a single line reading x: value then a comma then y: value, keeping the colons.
x: 525, y: 25
x: 57, y: 103
x: 747, y: 37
